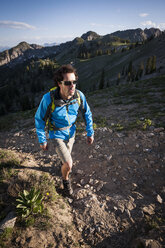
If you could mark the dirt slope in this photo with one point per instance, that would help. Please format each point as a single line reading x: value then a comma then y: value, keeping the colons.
x: 118, y: 183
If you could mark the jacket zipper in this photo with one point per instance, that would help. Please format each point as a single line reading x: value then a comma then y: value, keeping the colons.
x: 68, y: 119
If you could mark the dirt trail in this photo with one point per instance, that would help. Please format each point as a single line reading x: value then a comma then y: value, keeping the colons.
x: 117, y: 183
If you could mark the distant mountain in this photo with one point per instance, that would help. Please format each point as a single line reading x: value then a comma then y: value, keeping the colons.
x: 90, y: 35
x: 22, y: 84
x: 50, y: 44
x: 22, y: 52
x: 89, y: 41
x: 138, y: 34
x: 3, y: 48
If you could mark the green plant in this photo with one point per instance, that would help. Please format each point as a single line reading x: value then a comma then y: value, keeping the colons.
x: 119, y: 127
x: 100, y: 121
x: 146, y: 123
x: 5, y: 236
x: 29, y: 203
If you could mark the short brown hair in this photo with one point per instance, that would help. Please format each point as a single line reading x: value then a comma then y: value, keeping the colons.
x: 58, y: 75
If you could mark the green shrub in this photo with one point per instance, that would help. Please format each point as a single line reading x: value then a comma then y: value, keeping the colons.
x: 30, y: 203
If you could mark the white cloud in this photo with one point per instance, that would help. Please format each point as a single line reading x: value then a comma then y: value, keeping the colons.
x: 16, y: 25
x: 148, y: 23
x: 143, y: 14
x: 161, y: 26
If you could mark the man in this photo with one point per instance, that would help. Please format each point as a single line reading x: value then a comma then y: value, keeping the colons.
x: 66, y: 101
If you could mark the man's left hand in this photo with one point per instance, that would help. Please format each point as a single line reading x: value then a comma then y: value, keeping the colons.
x: 90, y: 140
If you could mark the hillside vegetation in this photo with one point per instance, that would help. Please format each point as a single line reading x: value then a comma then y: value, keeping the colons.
x: 107, y: 60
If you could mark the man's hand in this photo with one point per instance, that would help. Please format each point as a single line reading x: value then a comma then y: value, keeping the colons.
x: 90, y: 140
x: 44, y: 146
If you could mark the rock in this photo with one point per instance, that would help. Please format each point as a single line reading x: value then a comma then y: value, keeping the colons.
x: 147, y: 150
x: 109, y: 157
x: 130, y: 205
x: 148, y: 209
x: 82, y: 193
x: 135, y: 162
x: 82, y: 181
x: 134, y: 186
x: 97, y: 147
x: 87, y: 186
x: 131, y: 198
x: 150, y: 135
x: 146, y: 243
x: 159, y: 199
x: 120, y: 135
x: 159, y: 129
x: 99, y: 187
x: 91, y: 181
x: 8, y: 222
x: 121, y: 208
x: 80, y: 172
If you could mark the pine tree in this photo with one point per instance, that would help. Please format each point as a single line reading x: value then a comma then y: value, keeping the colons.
x: 130, y: 67
x: 101, y: 85
x: 149, y: 65
x: 118, y: 78
x: 25, y: 103
x: 129, y: 77
x: 140, y: 70
x: 153, y: 64
x: 123, y: 70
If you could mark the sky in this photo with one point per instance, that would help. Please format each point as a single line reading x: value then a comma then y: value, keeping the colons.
x: 49, y: 21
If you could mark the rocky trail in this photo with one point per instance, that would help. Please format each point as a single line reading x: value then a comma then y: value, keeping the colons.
x: 119, y: 185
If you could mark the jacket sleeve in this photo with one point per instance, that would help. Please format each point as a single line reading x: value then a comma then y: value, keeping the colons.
x: 87, y: 115
x: 39, y: 119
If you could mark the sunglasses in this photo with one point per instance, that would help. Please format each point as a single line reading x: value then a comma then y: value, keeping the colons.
x: 68, y: 83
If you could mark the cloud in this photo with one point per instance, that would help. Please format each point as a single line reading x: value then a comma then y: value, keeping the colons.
x: 143, y: 14
x: 149, y: 23
x: 16, y: 25
x: 161, y: 26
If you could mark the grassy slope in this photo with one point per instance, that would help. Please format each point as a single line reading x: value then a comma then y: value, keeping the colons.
x: 90, y: 70
x: 148, y: 96
x: 141, y: 100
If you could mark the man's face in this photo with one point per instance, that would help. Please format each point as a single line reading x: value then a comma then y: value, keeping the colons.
x: 67, y: 91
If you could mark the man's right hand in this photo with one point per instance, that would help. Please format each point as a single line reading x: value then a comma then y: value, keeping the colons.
x: 44, y: 146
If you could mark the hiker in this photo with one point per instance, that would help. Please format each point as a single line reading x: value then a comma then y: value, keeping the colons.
x: 59, y: 109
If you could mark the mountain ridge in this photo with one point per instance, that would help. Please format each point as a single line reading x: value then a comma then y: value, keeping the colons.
x: 24, y: 51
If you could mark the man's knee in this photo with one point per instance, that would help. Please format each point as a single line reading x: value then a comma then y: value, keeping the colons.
x: 68, y: 165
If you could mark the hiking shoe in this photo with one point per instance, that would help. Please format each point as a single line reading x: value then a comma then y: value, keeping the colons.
x: 68, y: 191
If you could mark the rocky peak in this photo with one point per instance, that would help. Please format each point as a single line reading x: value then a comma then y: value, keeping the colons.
x: 155, y: 32
x: 23, y: 49
x: 90, y: 35
x: 137, y: 34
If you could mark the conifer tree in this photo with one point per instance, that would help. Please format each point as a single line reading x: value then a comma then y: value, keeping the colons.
x: 129, y: 77
x: 25, y: 103
x: 101, y: 85
x: 140, y: 70
x: 153, y: 64
x: 118, y: 78
x: 130, y: 67
x: 148, y: 65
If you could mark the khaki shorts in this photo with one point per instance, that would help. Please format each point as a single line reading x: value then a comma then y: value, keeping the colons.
x: 63, y: 148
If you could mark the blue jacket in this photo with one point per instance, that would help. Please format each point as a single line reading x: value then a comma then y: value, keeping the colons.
x: 64, y: 115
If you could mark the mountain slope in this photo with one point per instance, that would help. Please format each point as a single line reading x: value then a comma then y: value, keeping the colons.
x: 135, y: 35
x: 25, y: 51
x: 118, y: 181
